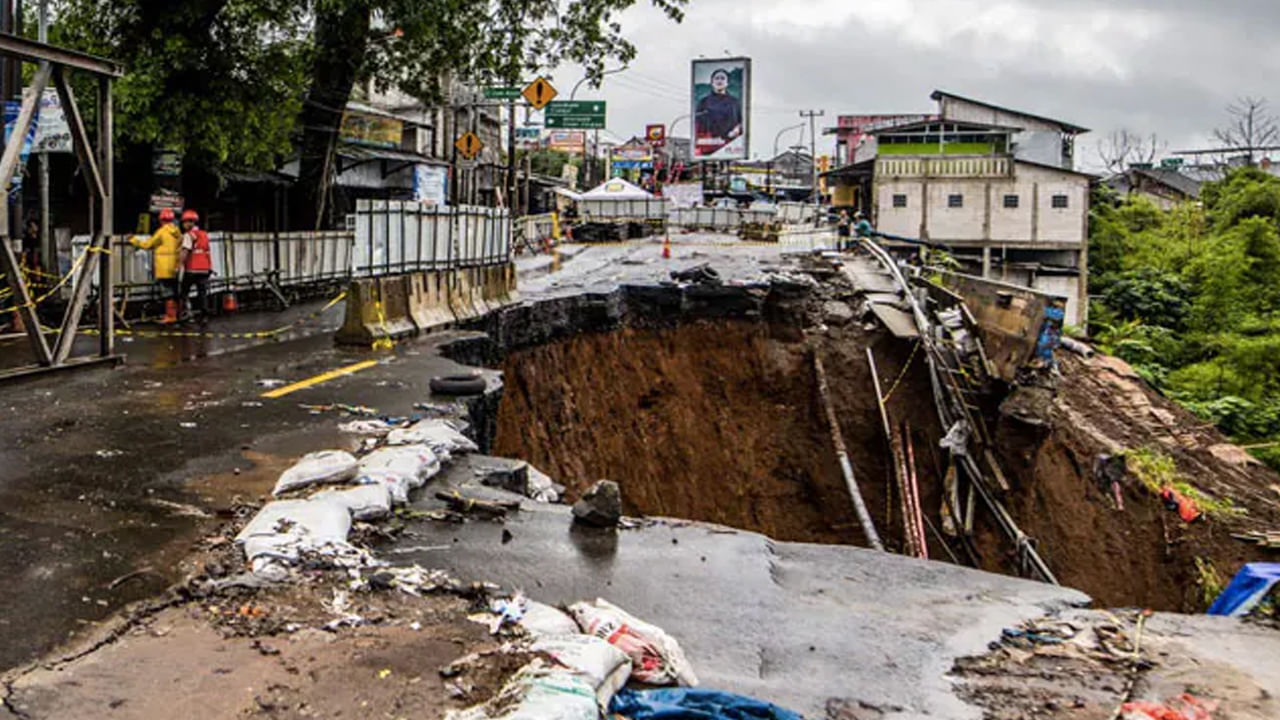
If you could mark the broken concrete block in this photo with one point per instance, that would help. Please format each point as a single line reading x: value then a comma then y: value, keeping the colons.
x: 837, y: 313
x: 600, y: 506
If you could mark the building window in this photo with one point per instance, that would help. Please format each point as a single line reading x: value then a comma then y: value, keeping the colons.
x: 1060, y: 201
x: 1011, y: 202
x: 899, y: 201
x: 955, y: 201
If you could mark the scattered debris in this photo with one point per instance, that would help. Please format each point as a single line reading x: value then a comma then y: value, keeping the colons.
x: 521, y: 478
x: 600, y: 505
x: 377, y: 428
x: 491, y: 508
x: 269, y: 383
x: 438, y: 434
x: 1269, y: 539
x: 1250, y: 585
x: 693, y: 703
x: 1184, y: 707
x: 836, y: 313
x: 107, y: 454
x: 702, y: 274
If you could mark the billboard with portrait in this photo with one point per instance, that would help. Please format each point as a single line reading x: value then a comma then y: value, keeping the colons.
x: 721, y: 109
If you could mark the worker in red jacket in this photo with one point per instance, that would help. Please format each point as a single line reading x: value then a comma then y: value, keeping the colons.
x: 196, y: 261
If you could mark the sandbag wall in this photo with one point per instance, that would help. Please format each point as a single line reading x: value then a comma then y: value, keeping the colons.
x: 417, y: 267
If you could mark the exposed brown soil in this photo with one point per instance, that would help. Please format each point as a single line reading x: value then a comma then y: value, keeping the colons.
x: 721, y: 422
x: 713, y: 422
x: 1143, y: 555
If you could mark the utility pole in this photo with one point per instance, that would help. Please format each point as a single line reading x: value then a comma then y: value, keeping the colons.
x: 812, y: 116
x: 511, y: 157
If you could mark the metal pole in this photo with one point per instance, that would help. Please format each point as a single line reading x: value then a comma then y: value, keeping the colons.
x: 106, y: 286
x: 511, y: 157
x: 49, y: 252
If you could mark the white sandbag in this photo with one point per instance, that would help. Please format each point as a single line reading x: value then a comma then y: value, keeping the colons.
x: 656, y: 657
x: 375, y: 428
x: 397, y: 484
x: 318, y: 468
x: 284, y: 528
x: 417, y: 463
x: 604, y: 665
x: 364, y: 502
x: 540, y: 619
x: 537, y: 692
x: 436, y: 434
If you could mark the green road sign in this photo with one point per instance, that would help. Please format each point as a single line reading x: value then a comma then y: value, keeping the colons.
x: 576, y: 115
x: 502, y: 93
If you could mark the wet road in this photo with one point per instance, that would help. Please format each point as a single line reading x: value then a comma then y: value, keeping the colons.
x: 811, y: 627
x: 106, y: 472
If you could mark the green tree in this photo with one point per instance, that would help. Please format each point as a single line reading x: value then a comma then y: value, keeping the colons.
x: 417, y: 45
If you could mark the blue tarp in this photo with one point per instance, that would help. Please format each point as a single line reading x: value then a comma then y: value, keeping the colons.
x: 694, y: 704
x: 1247, y: 589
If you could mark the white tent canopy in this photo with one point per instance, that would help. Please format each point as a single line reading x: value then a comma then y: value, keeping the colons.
x: 616, y: 189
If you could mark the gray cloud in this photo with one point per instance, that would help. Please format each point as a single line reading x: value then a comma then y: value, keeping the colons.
x: 1163, y: 66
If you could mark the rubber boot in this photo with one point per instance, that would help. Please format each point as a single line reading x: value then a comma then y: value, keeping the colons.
x: 170, y: 312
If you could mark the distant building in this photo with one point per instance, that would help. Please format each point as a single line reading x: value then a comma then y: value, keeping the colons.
x: 995, y: 185
x: 1166, y: 187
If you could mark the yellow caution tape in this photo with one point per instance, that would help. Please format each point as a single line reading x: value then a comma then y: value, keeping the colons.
x: 258, y: 334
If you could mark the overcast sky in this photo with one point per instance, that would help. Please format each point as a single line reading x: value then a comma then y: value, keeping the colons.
x: 1163, y: 66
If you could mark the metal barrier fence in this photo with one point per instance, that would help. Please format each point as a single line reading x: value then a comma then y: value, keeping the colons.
x: 727, y: 219
x: 647, y: 209
x: 393, y: 236
x: 796, y: 213
x: 390, y: 238
x: 536, y: 227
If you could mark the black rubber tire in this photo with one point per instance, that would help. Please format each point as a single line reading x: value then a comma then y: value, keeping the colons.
x: 458, y: 385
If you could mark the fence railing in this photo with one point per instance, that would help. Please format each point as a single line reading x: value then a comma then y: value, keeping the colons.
x: 647, y: 209
x: 389, y: 238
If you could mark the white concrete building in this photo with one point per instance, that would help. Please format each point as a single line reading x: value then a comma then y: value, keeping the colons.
x: 997, y: 187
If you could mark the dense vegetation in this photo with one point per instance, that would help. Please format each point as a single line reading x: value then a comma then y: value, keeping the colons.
x: 246, y: 84
x: 1191, y: 298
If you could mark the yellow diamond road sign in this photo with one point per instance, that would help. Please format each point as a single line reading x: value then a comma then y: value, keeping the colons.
x: 539, y: 93
x: 469, y: 145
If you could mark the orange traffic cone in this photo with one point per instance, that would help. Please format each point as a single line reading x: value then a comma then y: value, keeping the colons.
x: 666, y: 247
x: 229, y: 304
x: 170, y: 312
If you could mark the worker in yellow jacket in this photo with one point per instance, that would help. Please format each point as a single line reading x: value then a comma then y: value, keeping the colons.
x: 165, y: 243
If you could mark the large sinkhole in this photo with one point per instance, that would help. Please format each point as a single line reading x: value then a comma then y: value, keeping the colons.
x: 717, y: 421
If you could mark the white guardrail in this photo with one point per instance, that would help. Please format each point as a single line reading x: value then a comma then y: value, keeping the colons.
x: 390, y: 237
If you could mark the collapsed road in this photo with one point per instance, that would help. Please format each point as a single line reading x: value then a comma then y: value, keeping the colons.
x: 701, y: 401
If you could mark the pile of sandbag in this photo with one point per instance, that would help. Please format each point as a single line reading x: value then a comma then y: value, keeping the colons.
x: 350, y: 488
x: 583, y: 659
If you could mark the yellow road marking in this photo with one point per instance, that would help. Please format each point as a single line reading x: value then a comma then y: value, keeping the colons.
x: 321, y: 378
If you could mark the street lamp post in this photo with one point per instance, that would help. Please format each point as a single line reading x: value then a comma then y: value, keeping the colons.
x: 774, y: 156
x: 595, y: 140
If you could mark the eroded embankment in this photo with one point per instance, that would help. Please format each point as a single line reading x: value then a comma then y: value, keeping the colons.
x: 707, y: 421
x: 702, y: 404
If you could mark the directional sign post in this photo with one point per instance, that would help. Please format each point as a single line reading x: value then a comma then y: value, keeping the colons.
x: 502, y: 93
x: 539, y: 93
x: 576, y: 115
x: 469, y: 145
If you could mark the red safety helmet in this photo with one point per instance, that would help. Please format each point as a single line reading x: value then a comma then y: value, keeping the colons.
x: 166, y: 215
x: 191, y: 215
